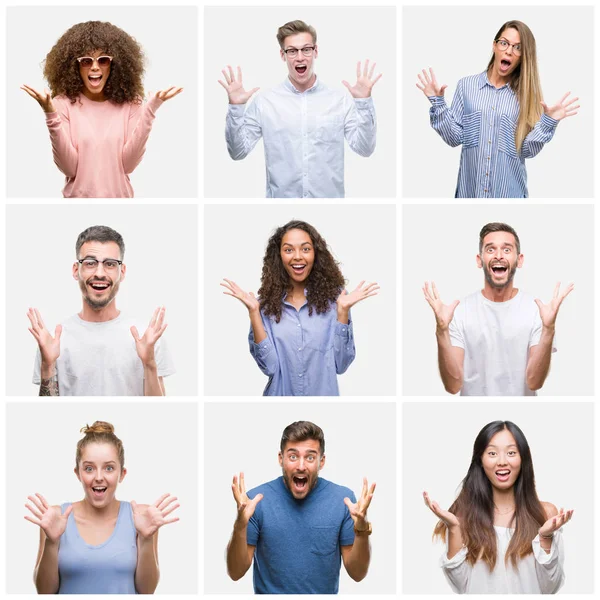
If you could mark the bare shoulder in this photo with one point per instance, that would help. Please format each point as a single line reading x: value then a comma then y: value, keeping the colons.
x: 551, y: 510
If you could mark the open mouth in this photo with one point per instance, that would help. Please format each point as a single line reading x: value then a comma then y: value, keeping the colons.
x: 503, y: 474
x: 505, y: 64
x: 300, y: 483
x: 99, y: 491
x: 499, y: 269
x: 95, y: 80
x: 99, y: 286
x: 301, y: 69
x: 299, y: 269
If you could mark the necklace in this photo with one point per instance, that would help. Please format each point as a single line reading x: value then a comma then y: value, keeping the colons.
x: 505, y: 512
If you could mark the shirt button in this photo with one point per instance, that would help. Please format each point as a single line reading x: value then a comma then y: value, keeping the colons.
x: 299, y: 374
x: 489, y: 141
x: 343, y: 330
x: 299, y: 349
x: 488, y: 158
x: 297, y: 324
x: 485, y: 191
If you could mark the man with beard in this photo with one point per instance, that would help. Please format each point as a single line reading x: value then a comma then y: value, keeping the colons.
x: 498, y: 342
x: 299, y: 527
x: 99, y: 351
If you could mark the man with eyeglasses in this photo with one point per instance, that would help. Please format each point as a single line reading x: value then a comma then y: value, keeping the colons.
x: 302, y: 122
x: 92, y: 353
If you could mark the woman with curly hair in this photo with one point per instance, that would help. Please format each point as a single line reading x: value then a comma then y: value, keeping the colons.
x: 501, y: 539
x: 301, y: 332
x: 98, y: 122
x: 99, y: 545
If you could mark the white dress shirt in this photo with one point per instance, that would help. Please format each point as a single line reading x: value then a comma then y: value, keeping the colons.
x: 303, y: 136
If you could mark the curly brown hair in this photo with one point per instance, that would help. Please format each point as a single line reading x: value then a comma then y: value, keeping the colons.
x: 323, y: 285
x: 124, y: 84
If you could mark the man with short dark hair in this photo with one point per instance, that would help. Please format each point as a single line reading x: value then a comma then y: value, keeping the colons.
x: 499, y: 340
x: 302, y: 122
x: 99, y: 352
x: 299, y: 527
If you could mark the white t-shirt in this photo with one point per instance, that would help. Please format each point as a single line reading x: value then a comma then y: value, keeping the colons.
x: 496, y: 337
x: 100, y: 359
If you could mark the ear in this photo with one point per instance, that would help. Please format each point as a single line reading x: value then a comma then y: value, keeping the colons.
x: 123, y: 271
x: 520, y: 261
x: 479, y: 262
x: 123, y: 473
x: 76, y: 471
x: 282, y: 54
x: 322, y: 462
x: 280, y: 459
x: 316, y: 52
x: 76, y: 270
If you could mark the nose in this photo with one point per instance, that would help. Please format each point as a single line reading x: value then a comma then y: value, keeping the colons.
x: 100, y: 267
x: 297, y: 253
x: 501, y: 459
x: 301, y: 465
x: 509, y: 49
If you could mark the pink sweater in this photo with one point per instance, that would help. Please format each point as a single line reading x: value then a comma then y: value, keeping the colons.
x: 98, y: 144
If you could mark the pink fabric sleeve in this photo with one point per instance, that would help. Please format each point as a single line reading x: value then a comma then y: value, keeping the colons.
x: 65, y: 154
x: 141, y: 118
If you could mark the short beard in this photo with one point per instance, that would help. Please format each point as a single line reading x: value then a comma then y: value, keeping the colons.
x: 288, y: 483
x: 512, y: 269
x: 98, y: 304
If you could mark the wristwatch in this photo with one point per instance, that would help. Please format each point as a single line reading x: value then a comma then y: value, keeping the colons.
x: 367, y: 531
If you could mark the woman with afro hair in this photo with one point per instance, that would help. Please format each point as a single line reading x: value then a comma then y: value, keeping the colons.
x: 95, y: 113
x: 301, y: 333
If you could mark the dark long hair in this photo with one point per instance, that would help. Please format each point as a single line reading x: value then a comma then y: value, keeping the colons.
x: 474, y: 506
x: 323, y: 285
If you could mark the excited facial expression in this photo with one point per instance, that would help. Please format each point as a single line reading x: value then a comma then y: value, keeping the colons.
x: 100, y: 472
x: 501, y: 460
x: 99, y: 284
x: 506, y: 61
x: 95, y: 77
x: 301, y: 463
x: 499, y: 258
x: 297, y: 254
x: 300, y: 68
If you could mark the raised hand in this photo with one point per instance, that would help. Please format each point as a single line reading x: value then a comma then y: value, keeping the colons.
x: 548, y: 312
x: 358, y: 510
x: 248, y: 299
x: 44, y: 99
x: 364, y: 81
x: 443, y: 312
x: 49, y: 346
x: 562, y: 109
x: 555, y: 523
x: 169, y: 93
x: 245, y: 506
x: 347, y: 300
x: 47, y: 517
x: 449, y: 519
x: 429, y: 85
x: 145, y: 344
x: 149, y: 518
x: 235, y: 88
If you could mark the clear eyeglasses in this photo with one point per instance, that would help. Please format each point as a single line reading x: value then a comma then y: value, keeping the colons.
x: 504, y: 44
x: 293, y: 52
x: 87, y: 61
x: 91, y: 264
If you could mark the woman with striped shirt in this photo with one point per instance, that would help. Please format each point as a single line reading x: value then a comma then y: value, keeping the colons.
x: 498, y: 116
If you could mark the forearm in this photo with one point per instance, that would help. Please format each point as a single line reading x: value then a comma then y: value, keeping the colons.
x: 242, y: 131
x: 238, y: 558
x: 49, y: 380
x: 152, y: 385
x: 258, y: 329
x: 46, y: 577
x: 147, y: 573
x: 357, y: 563
x: 443, y: 121
x: 455, y: 541
x: 135, y: 146
x: 539, y: 136
x: 65, y: 154
x: 538, y: 364
x: 451, y: 371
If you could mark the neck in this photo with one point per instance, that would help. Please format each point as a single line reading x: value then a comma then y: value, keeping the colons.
x: 94, y: 97
x: 499, y: 294
x: 306, y: 86
x: 296, y: 290
x: 496, y: 79
x: 503, y: 499
x: 91, y: 512
x: 99, y: 315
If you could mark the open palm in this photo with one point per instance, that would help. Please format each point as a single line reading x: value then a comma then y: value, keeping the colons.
x: 234, y: 87
x: 149, y: 518
x: 364, y: 81
x: 49, y: 518
x: 444, y: 313
x: 449, y: 519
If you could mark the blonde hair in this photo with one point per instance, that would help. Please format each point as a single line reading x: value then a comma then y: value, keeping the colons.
x: 100, y: 432
x: 294, y: 27
x: 525, y: 81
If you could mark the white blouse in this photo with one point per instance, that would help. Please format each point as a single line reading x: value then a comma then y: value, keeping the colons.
x: 537, y: 573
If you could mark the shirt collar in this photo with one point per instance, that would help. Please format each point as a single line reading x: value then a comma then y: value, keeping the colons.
x: 292, y: 88
x: 285, y: 295
x: 483, y: 81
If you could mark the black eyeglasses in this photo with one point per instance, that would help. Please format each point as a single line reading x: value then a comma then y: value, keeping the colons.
x: 87, y: 61
x: 293, y: 52
x: 91, y: 264
x: 505, y: 44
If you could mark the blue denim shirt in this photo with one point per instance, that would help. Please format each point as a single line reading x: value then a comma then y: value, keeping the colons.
x: 302, y: 355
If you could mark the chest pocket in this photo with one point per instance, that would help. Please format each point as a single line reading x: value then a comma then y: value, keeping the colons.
x: 506, y: 142
x: 329, y: 129
x: 323, y: 540
x: 471, y: 129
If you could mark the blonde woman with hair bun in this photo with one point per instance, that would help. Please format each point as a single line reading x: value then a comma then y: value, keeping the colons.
x: 499, y: 116
x: 99, y: 545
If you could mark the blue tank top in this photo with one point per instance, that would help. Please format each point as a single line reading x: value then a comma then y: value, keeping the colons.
x: 108, y: 568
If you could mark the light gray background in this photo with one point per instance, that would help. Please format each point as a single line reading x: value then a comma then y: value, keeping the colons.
x: 560, y: 436
x: 161, y: 455
x: 245, y: 36
x: 168, y: 36
x: 360, y: 441
x: 235, y: 239
x: 161, y: 258
x: 440, y: 243
x: 456, y: 41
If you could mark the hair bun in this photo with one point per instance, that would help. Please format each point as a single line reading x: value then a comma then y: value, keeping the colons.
x: 98, y: 427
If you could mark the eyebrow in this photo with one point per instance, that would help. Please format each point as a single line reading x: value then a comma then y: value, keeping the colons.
x: 292, y: 245
x: 296, y: 451
x: 295, y: 48
x: 503, y: 244
x: 109, y: 462
x: 509, y: 446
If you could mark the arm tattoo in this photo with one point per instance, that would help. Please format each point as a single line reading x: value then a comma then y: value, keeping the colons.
x: 49, y: 387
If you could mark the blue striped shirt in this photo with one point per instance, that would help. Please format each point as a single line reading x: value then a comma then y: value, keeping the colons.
x: 483, y: 119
